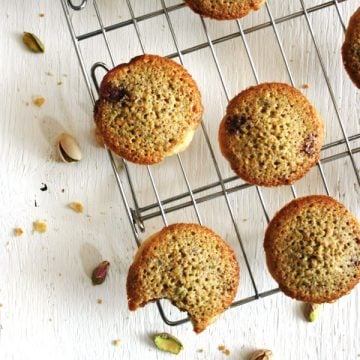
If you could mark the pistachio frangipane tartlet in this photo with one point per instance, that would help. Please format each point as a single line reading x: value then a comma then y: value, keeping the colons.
x: 312, y: 249
x: 351, y: 48
x: 271, y: 134
x: 224, y: 9
x: 189, y: 265
x: 148, y: 109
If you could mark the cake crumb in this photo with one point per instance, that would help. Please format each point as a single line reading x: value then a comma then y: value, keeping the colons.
x: 50, y: 319
x: 224, y: 350
x: 116, y: 342
x: 49, y: 73
x: 27, y: 103
x: 41, y: 14
x: 60, y: 82
x: 39, y: 226
x: 200, y: 350
x: 99, y: 301
x: 77, y: 207
x: 1, y: 305
x: 38, y: 101
x: 18, y: 231
x: 305, y: 86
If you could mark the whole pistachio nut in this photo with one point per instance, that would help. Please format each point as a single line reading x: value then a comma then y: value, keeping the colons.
x: 100, y: 272
x: 169, y: 343
x: 33, y: 42
x: 68, y: 148
x: 262, y: 355
x: 312, y: 311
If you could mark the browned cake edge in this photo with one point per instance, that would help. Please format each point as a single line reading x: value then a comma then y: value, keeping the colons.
x: 223, y: 134
x: 281, y: 217
x: 354, y: 23
x: 224, y: 15
x: 146, y: 249
x: 103, y: 92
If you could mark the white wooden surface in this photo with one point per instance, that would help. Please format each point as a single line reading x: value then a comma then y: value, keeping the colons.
x: 49, y: 307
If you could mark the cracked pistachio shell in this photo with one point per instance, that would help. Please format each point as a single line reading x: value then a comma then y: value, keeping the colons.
x: 262, y: 355
x: 68, y: 148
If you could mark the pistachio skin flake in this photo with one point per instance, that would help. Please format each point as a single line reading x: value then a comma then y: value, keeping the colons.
x: 33, y: 42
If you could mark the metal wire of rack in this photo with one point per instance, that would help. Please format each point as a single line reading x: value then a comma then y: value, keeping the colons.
x: 137, y: 215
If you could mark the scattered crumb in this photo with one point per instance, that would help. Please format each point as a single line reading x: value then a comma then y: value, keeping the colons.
x: 50, y: 319
x: 60, y: 82
x: 62, y: 190
x: 39, y: 226
x: 43, y: 187
x: 38, y: 101
x: 41, y: 14
x: 99, y: 301
x: 77, y: 207
x: 65, y: 75
x: 116, y: 342
x: 200, y: 350
x: 98, y: 137
x: 18, y: 231
x: 224, y: 350
x: 49, y: 73
x: 1, y: 305
x: 27, y: 103
x: 60, y: 274
x: 305, y: 86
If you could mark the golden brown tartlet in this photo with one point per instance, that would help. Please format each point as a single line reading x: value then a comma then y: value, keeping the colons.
x: 351, y: 48
x: 271, y: 134
x: 224, y: 9
x: 148, y: 109
x: 189, y: 265
x: 312, y: 249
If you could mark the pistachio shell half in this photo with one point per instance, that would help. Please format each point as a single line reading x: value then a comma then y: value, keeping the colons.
x: 262, y: 355
x: 68, y: 148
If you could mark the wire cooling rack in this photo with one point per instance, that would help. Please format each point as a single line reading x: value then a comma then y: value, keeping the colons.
x: 138, y: 215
